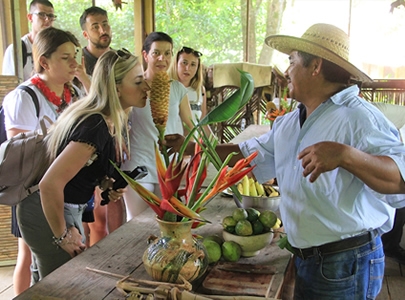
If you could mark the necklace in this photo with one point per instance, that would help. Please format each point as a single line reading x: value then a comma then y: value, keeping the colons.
x: 51, y: 96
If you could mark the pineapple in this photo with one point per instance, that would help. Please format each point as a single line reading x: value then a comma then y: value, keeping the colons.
x: 159, y: 101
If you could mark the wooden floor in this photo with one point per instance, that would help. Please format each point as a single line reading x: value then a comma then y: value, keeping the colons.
x: 6, y: 283
x: 393, y: 287
x: 394, y: 281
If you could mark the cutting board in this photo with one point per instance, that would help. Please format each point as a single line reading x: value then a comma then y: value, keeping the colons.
x: 239, y: 279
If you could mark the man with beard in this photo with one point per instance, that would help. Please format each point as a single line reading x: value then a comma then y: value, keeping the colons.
x: 103, y: 219
x: 97, y: 31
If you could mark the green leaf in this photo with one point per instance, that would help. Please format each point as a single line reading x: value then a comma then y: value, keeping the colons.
x: 235, y: 102
x: 283, y: 243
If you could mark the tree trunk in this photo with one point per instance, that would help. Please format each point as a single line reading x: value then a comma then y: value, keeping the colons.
x: 275, y: 10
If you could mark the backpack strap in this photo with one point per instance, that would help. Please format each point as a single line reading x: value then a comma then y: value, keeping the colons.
x: 33, y: 96
x: 25, y: 53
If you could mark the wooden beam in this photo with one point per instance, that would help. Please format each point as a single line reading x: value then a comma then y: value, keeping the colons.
x: 14, y: 13
x: 149, y: 16
x: 138, y: 31
x: 144, y: 22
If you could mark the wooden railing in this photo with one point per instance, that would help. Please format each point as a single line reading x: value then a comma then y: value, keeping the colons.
x: 7, y: 84
x: 8, y: 251
x: 390, y: 91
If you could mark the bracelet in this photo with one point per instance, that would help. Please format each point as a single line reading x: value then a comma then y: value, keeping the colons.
x: 58, y: 241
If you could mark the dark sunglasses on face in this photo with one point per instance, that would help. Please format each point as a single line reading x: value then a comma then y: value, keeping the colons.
x: 44, y: 16
x: 190, y: 50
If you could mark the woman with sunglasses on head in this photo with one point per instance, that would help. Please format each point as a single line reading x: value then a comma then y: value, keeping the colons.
x: 157, y: 52
x: 80, y: 146
x: 187, y: 69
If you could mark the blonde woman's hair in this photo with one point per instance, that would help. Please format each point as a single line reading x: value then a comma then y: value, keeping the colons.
x: 102, y: 99
x: 196, y: 82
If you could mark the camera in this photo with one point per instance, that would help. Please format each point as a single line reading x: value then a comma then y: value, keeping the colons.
x: 119, y: 183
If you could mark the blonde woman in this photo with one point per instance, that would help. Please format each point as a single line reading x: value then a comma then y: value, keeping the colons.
x: 81, y: 145
x: 187, y: 69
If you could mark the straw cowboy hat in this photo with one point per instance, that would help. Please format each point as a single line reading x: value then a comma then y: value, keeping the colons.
x: 322, y: 40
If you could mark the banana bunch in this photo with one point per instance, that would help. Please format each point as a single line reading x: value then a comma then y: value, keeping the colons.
x: 250, y: 187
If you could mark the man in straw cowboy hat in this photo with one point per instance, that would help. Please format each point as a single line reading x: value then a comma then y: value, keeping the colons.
x: 339, y: 164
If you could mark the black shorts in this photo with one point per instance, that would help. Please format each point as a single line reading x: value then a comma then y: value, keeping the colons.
x: 88, y: 215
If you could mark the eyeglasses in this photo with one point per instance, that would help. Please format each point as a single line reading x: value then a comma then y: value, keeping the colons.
x: 45, y: 16
x: 190, y: 50
x: 124, y: 53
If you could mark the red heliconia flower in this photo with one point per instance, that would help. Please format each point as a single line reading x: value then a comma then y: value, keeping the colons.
x: 170, y: 178
x: 194, y: 180
x: 227, y: 177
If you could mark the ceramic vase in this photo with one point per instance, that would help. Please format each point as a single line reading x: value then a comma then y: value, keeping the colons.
x: 175, y: 253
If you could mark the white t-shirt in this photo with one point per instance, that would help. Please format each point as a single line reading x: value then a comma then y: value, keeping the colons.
x: 143, y: 134
x: 196, y: 100
x: 8, y: 60
x: 20, y: 112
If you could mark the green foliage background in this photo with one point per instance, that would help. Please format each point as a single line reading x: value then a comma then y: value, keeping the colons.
x: 213, y: 27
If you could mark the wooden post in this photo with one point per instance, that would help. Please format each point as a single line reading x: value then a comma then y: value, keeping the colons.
x: 144, y: 22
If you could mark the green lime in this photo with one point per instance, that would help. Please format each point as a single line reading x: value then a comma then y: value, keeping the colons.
x: 231, y: 251
x: 243, y: 228
x: 229, y: 224
x: 213, y: 250
x: 268, y: 218
x: 257, y: 227
x: 239, y: 214
x: 216, y: 238
x: 253, y: 214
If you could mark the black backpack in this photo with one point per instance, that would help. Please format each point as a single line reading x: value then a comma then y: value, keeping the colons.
x: 3, y: 133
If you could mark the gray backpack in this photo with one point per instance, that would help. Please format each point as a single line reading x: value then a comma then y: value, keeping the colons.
x: 23, y: 162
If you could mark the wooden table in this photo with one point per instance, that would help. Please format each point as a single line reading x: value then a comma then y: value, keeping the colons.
x: 121, y: 253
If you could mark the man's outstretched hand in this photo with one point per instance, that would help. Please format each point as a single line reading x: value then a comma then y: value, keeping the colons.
x: 173, y: 143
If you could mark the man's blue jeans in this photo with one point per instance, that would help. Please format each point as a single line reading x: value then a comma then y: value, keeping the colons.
x: 352, y: 274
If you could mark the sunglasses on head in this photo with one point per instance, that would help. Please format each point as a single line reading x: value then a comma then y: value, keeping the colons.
x: 123, y: 53
x: 190, y: 50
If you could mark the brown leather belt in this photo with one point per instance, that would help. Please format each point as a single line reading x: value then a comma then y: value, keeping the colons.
x: 339, y: 246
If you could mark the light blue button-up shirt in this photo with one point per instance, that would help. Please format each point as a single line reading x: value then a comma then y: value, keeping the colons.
x: 338, y: 204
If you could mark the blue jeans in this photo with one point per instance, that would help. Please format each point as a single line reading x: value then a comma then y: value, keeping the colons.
x: 353, y: 274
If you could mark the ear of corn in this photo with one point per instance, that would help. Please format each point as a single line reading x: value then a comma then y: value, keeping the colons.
x: 260, y: 189
x: 252, y: 189
x: 159, y: 101
x: 245, y: 185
